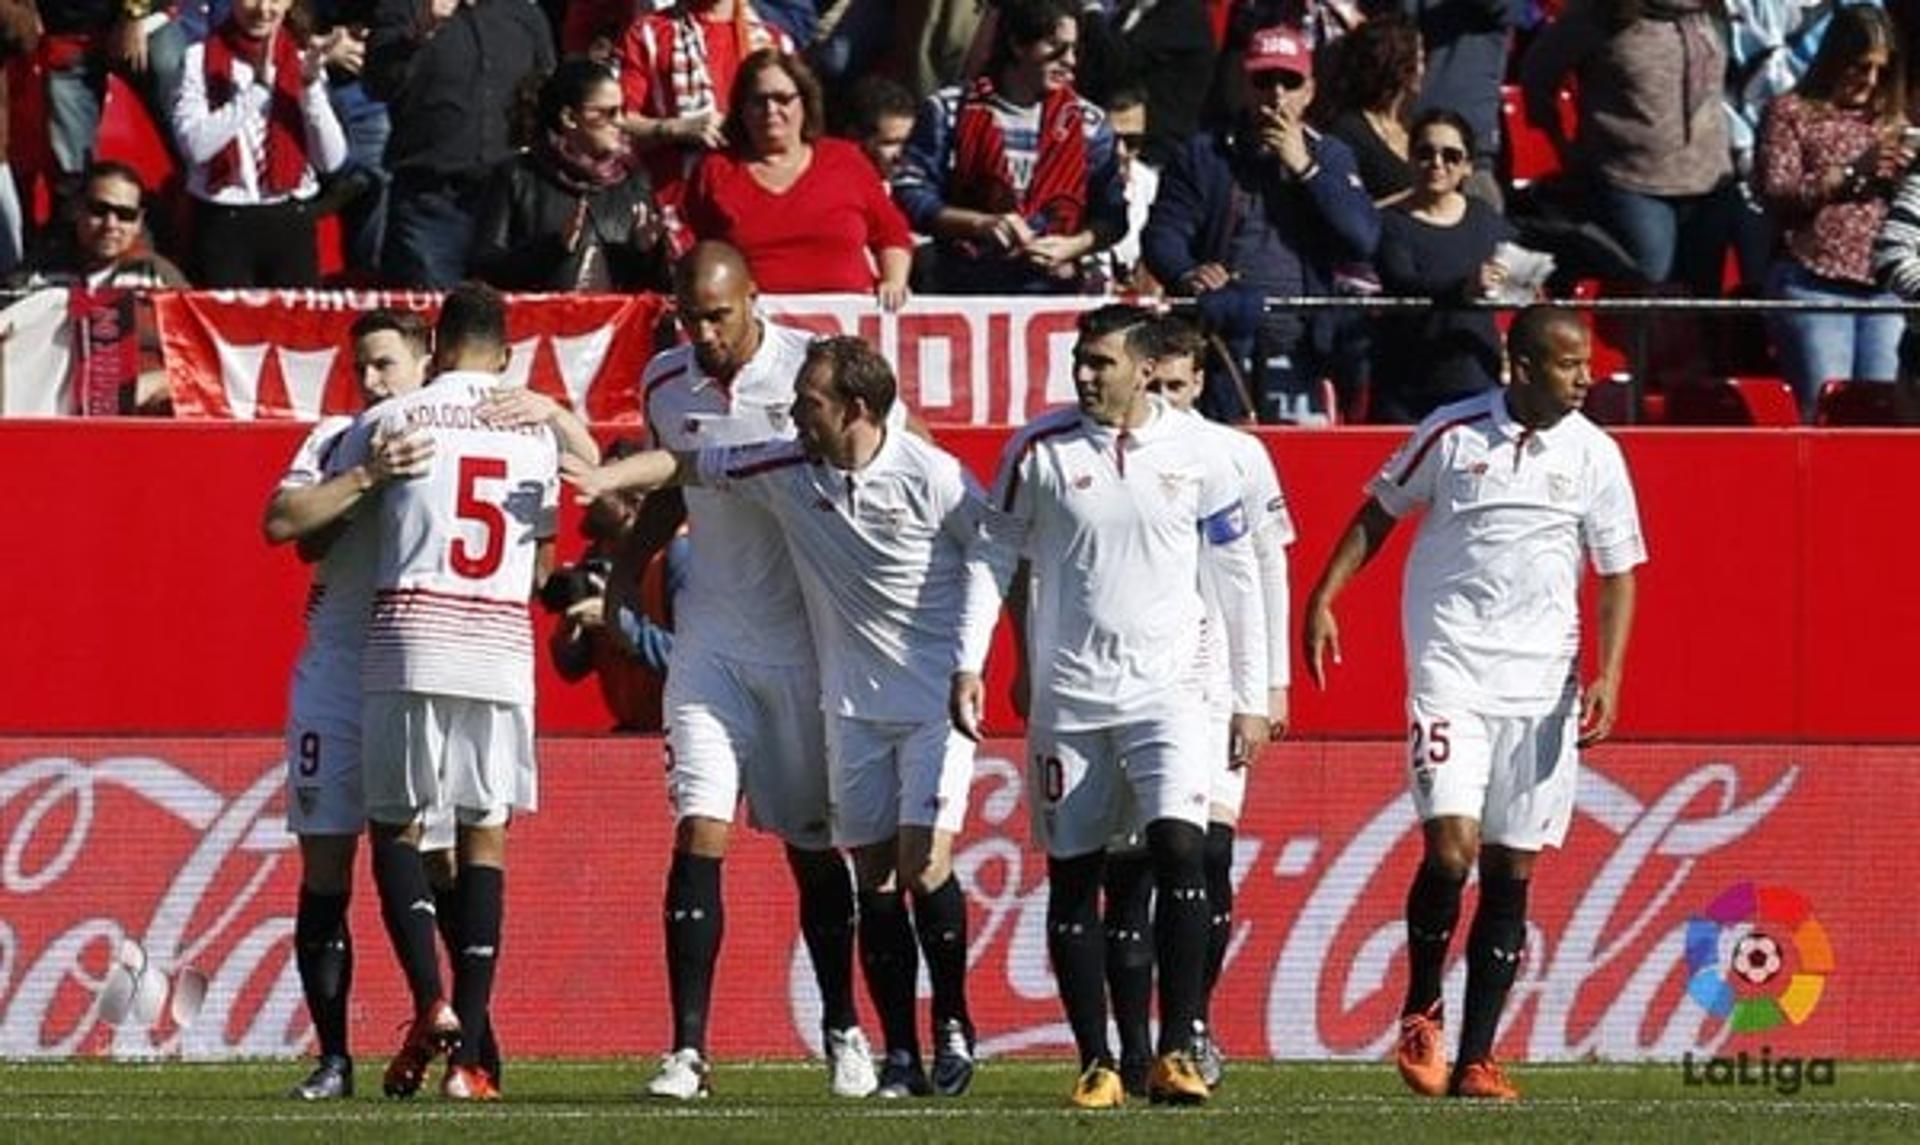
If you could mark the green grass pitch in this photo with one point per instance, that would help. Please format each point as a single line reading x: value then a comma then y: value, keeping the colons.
x: 1022, y: 1101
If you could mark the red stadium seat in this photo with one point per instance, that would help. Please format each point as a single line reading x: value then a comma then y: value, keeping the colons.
x: 1847, y: 402
x: 1765, y: 402
x: 1527, y: 150
x: 128, y: 134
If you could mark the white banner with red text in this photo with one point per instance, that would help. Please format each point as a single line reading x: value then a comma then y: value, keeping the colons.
x: 1709, y: 899
x: 283, y: 355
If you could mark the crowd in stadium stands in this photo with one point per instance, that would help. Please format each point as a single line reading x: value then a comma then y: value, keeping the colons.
x: 1224, y: 151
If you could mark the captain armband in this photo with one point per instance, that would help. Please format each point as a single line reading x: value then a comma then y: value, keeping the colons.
x: 1226, y: 526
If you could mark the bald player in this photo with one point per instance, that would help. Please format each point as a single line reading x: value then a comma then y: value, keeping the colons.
x: 743, y: 692
x: 1516, y: 489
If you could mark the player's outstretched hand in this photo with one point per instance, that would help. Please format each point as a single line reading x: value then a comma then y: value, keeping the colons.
x: 1599, y: 707
x: 589, y: 481
x: 1246, y: 733
x: 400, y: 454
x: 1319, y: 638
x: 513, y: 407
x: 965, y: 701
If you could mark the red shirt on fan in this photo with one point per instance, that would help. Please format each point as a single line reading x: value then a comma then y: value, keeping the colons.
x: 822, y: 235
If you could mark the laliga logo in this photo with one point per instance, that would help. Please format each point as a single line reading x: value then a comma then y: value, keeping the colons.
x: 1737, y: 969
x: 1757, y: 920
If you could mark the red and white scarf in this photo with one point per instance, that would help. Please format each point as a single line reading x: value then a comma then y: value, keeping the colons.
x: 1056, y: 194
x: 286, y: 140
x: 692, y: 83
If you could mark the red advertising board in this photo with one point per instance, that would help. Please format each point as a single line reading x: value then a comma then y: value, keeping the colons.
x: 138, y: 597
x: 178, y: 845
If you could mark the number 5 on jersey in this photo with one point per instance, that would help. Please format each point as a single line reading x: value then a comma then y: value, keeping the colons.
x: 471, y: 506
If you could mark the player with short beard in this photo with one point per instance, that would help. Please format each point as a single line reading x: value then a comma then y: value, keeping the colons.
x: 1132, y: 524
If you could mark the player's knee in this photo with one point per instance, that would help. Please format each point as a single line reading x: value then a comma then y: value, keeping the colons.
x: 1218, y: 854
x: 873, y: 866
x: 1178, y: 847
x: 706, y: 838
x: 1452, y: 846
x: 1507, y: 863
x: 442, y: 871
x: 326, y: 863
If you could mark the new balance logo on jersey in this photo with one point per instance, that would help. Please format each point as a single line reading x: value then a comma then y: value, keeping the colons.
x: 1083, y: 481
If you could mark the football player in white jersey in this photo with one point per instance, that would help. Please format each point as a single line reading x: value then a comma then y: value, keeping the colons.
x: 1517, y: 486
x: 324, y: 805
x: 742, y: 693
x: 1172, y: 348
x: 448, y: 671
x: 1130, y: 519
x: 901, y: 581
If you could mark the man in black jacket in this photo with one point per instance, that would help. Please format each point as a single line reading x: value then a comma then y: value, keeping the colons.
x: 450, y: 72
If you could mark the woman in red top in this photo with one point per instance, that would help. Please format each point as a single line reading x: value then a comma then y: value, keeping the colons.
x: 1830, y: 154
x: 808, y: 211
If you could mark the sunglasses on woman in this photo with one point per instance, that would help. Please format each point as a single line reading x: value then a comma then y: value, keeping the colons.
x: 1427, y: 153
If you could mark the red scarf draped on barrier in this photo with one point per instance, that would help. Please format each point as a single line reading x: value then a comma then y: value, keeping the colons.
x: 983, y: 179
x: 286, y: 145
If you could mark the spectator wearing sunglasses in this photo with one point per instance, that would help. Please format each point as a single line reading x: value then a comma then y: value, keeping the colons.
x: 1014, y: 175
x: 107, y: 262
x: 108, y: 244
x: 1438, y: 242
x: 573, y: 212
x: 809, y: 212
x: 1266, y: 210
x: 1127, y: 114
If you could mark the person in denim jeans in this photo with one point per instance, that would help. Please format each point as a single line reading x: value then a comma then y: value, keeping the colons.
x: 1830, y: 153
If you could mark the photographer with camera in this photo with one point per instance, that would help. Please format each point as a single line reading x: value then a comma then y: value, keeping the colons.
x: 629, y: 654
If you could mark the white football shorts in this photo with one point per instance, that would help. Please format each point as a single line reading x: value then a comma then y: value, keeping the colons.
x: 1087, y: 787
x: 1516, y: 775
x: 426, y: 755
x: 323, y: 747
x: 738, y: 729
x: 883, y: 775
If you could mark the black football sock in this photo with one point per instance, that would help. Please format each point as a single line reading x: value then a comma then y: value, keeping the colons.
x: 1217, y: 861
x: 446, y: 918
x: 1179, y: 929
x: 1078, y: 948
x: 482, y: 901
x: 1433, y: 910
x: 1129, y: 934
x: 695, y: 920
x: 406, y: 907
x: 892, y: 965
x: 446, y: 908
x: 323, y: 948
x: 827, y: 919
x: 1494, y: 946
x: 940, y: 917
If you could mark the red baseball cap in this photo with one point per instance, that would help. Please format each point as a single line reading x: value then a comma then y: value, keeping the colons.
x: 1279, y: 48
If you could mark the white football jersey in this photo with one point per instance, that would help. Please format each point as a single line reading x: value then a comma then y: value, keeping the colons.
x: 1115, y: 524
x: 740, y: 597
x: 1270, y: 525
x: 343, y: 578
x: 1490, y: 611
x: 893, y: 561
x: 455, y: 568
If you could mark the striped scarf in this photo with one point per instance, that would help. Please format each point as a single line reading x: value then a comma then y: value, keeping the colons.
x: 284, y: 150
x: 1055, y: 202
x: 692, y: 83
